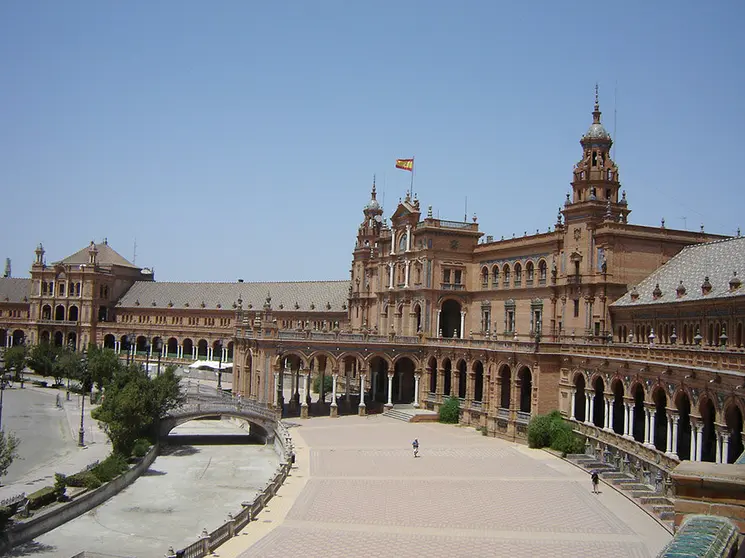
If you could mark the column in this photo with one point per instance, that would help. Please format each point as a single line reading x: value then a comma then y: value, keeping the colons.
x: 416, y: 390
x: 652, y: 431
x: 390, y: 275
x: 276, y: 389
x: 304, y: 376
x: 669, y: 421
x: 699, y: 441
x: 194, y: 352
x: 361, y: 408
x: 718, y: 436
x: 646, y: 426
x: 588, y: 407
x: 462, y: 325
x: 179, y: 351
x: 676, y: 421
x: 390, y: 390
x: 606, y: 421
x: 573, y: 413
x: 628, y: 423
x: 334, y: 405
x: 592, y: 408
x: 725, y: 446
x: 438, y: 332
x: 408, y: 238
x: 406, y: 274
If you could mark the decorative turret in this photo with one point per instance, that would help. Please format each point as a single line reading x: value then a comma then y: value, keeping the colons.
x: 370, y: 228
x: 595, y: 184
x: 92, y: 253
x: 39, y: 254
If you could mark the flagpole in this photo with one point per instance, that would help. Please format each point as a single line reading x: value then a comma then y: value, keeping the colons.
x: 411, y: 188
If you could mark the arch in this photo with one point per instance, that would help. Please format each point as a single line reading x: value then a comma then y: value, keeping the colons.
x: 172, y: 347
x: 526, y: 389
x: 432, y: 369
x: 403, y: 380
x: 618, y: 407
x: 447, y: 366
x: 46, y: 312
x: 141, y: 344
x: 72, y: 314
x: 450, y: 318
x: 462, y: 378
x: 598, y: 402
x: 733, y: 421
x: 708, y: 413
x: 59, y: 313
x: 379, y: 367
x: 72, y: 340
x: 518, y: 274
x: 542, y: 270
x: 383, y: 356
x: 478, y: 381
x: 659, y: 398
x: 410, y: 357
x: 231, y: 348
x: 418, y: 317
x: 506, y: 275
x: 154, y: 344
x: 217, y: 348
x: 202, y: 348
x: 505, y: 383
x: 19, y: 337
x: 638, y: 429
x: 529, y: 272
x: 495, y: 276
x: 484, y: 277
x: 44, y: 337
x: 683, y: 404
x: 109, y: 341
x: 59, y: 338
x: 580, y: 398
x: 188, y: 348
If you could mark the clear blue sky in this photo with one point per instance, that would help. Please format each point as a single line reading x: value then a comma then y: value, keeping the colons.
x: 239, y: 139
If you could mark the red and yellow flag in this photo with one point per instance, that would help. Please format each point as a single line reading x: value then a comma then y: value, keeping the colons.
x: 405, y: 164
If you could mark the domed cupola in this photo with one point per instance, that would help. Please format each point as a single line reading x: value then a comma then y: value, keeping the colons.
x: 373, y: 207
x: 596, y: 131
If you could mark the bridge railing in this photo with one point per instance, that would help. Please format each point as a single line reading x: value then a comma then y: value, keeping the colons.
x: 238, y: 407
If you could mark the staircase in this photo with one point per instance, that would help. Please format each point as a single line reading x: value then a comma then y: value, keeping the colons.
x: 408, y: 413
x: 644, y: 495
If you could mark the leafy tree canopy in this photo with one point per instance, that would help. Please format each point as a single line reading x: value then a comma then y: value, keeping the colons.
x: 8, y: 450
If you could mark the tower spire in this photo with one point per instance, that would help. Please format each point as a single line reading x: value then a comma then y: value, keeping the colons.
x: 596, y: 113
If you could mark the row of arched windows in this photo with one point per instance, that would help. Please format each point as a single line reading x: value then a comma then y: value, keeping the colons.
x: 142, y: 344
x: 61, y: 314
x: 513, y: 276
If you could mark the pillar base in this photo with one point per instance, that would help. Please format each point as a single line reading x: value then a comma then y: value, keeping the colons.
x: 304, y: 412
x: 417, y: 405
x: 334, y: 411
x: 628, y: 437
x: 388, y: 406
x: 650, y: 446
x: 362, y: 410
x: 671, y: 454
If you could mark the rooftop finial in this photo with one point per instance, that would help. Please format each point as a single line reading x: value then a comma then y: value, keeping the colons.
x: 373, y: 190
x: 597, y: 104
x: 596, y: 112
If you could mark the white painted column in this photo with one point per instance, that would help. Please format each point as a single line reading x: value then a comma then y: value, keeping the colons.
x: 406, y: 274
x: 646, y: 426
x: 573, y: 414
x: 390, y: 275
x: 606, y: 421
x: 676, y: 421
x: 394, y: 238
x: 438, y: 333
x: 390, y: 390
x: 462, y: 325
x: 652, y: 419
x: 276, y: 388
x: 303, y: 392
x: 333, y: 389
x: 408, y: 238
x: 588, y: 407
x: 626, y: 417
x: 699, y: 441
x: 719, y: 446
x: 180, y: 351
x: 362, y: 389
x: 416, y: 390
x: 592, y: 408
x: 669, y: 438
x: 194, y: 352
x: 725, y: 447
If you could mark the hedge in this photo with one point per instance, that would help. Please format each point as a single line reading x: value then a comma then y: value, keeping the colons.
x: 450, y: 411
x: 553, y: 431
x: 84, y: 479
x: 41, y: 498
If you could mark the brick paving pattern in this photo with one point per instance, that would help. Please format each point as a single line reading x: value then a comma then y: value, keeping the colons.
x: 467, y: 495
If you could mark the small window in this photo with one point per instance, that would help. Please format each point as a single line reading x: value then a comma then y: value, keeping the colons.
x: 458, y: 275
x: 446, y: 276
x: 576, y: 308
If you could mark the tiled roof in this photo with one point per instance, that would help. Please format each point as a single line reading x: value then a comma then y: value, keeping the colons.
x: 14, y: 290
x: 285, y: 294
x: 718, y: 260
x: 106, y: 256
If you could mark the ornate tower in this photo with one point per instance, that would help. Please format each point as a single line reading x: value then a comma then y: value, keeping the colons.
x: 595, y: 184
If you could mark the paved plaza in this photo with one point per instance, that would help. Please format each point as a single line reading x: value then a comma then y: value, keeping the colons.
x: 357, y: 489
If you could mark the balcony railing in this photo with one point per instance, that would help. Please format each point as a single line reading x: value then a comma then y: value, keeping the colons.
x: 523, y: 417
x: 453, y: 287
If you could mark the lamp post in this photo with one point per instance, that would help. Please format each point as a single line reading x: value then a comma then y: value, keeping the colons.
x: 2, y: 392
x: 84, y: 382
x: 219, y: 369
x: 127, y: 346
x: 147, y: 358
x: 159, y: 348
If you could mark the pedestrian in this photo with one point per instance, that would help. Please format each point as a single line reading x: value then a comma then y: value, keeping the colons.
x: 595, y: 481
x: 415, y: 447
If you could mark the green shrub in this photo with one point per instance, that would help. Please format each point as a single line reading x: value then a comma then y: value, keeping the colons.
x: 110, y: 468
x: 552, y: 431
x: 84, y: 479
x: 95, y: 413
x: 6, y: 512
x: 41, y: 498
x: 60, y: 486
x: 450, y: 411
x: 141, y: 447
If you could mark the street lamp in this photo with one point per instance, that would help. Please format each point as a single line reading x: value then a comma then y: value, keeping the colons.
x: 147, y: 358
x: 219, y: 368
x: 159, y: 348
x: 84, y: 380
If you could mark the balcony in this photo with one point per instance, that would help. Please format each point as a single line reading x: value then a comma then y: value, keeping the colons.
x: 443, y: 224
x: 452, y: 287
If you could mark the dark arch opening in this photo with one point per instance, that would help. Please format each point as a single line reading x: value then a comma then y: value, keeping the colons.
x: 684, y: 427
x: 505, y: 385
x: 202, y: 349
x: 450, y: 319
x: 526, y: 389
x: 598, y: 403
x: 59, y: 313
x: 660, y: 420
x: 639, y: 414
x: 733, y: 419
x: 19, y: 337
x: 72, y: 314
x: 478, y: 387
x: 579, y: 398
x: 447, y: 379
x: 403, y: 381
x: 109, y: 341
x: 708, y: 435
x: 462, y: 379
x: 619, y: 422
x: 59, y: 339
x: 432, y: 369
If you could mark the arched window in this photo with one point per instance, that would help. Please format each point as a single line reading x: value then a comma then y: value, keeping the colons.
x: 484, y: 278
x: 518, y: 274
x: 542, y: 272
x: 495, y: 276
x: 529, y: 273
x: 506, y: 274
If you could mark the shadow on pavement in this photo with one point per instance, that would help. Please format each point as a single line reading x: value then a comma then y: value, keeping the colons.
x: 179, y: 451
x: 31, y: 548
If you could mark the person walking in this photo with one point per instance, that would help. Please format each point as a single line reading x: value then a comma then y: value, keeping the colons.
x: 595, y: 481
x: 415, y: 447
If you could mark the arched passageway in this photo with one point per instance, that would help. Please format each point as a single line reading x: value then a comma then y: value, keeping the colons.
x: 188, y: 346
x: 59, y: 313
x: 59, y: 338
x: 639, y: 424
x: 505, y: 387
x: 379, y: 380
x: 683, y: 449
x: 660, y: 419
x: 202, y: 349
x: 580, y: 398
x: 447, y: 388
x: 619, y: 423
x: 141, y: 346
x: 526, y: 389
x: 478, y: 381
x: 172, y: 348
x: 462, y: 379
x: 598, y: 403
x: 708, y: 433
x: 109, y: 341
x: 733, y: 420
x: 403, y: 381
x: 450, y: 318
x: 432, y: 371
x: 72, y: 314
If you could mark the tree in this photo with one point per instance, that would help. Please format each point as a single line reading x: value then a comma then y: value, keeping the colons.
x: 68, y: 365
x: 133, y: 403
x: 8, y: 450
x: 15, y: 360
x: 102, y: 365
x: 42, y: 358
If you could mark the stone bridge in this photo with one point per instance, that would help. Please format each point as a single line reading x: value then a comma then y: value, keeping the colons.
x: 262, y: 419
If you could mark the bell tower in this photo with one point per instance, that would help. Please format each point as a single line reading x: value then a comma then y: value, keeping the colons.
x: 595, y: 184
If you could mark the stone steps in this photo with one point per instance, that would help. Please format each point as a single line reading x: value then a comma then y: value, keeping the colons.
x: 398, y: 415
